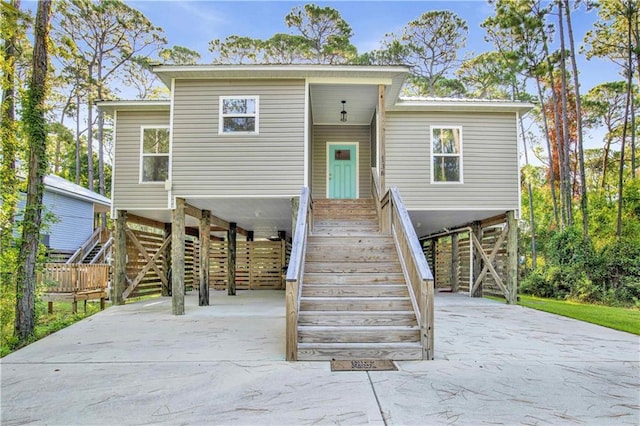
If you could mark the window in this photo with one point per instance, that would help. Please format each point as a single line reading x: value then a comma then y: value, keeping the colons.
x: 238, y: 115
x: 446, y: 154
x: 154, y: 163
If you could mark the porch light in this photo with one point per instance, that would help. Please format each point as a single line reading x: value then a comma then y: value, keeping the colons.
x: 343, y: 113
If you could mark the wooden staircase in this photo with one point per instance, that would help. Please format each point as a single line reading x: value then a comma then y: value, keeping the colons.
x: 354, y: 299
x: 92, y: 254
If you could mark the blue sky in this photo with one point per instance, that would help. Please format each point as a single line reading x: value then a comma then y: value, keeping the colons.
x: 194, y: 23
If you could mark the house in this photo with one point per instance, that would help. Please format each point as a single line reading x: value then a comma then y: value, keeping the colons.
x: 74, y: 210
x: 231, y: 150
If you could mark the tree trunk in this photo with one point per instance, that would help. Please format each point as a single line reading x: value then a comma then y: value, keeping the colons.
x: 8, y: 178
x: 628, y: 103
x: 605, y: 158
x: 534, y: 256
x: 78, y: 143
x: 565, y: 121
x: 552, y: 173
x: 34, y: 119
x: 583, y: 180
x: 90, y: 132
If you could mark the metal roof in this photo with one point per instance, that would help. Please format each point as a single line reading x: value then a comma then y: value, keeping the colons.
x: 62, y: 186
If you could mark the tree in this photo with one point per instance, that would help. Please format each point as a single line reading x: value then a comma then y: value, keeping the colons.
x: 429, y: 45
x: 106, y: 36
x: 488, y: 75
x: 604, y: 105
x: 235, y: 50
x: 8, y: 126
x: 35, y: 126
x: 616, y: 36
x: 327, y: 34
x: 323, y: 37
x: 583, y: 193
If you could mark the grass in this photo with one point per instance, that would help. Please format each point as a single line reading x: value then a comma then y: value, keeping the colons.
x: 46, y: 323
x: 623, y: 319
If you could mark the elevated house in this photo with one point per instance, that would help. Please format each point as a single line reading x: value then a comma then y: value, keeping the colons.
x: 74, y: 211
x: 333, y: 159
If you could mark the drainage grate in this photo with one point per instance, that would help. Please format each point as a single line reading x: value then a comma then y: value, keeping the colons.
x: 363, y: 365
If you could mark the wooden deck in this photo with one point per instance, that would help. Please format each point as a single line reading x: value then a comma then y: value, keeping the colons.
x: 73, y: 282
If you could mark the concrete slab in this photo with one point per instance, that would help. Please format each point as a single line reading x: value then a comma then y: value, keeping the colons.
x: 224, y: 364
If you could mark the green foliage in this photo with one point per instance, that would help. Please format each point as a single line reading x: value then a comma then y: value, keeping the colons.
x: 323, y: 37
x: 429, y: 45
x: 45, y: 323
x: 575, y: 270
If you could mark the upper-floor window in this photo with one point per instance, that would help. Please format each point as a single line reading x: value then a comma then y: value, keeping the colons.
x: 238, y: 114
x: 154, y: 156
x: 446, y: 154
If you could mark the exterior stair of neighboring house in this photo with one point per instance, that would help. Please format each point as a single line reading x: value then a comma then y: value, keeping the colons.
x: 92, y: 254
x: 354, y: 299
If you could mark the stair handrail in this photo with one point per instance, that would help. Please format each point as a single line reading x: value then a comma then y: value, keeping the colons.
x: 394, y: 219
x: 102, y: 254
x: 79, y: 255
x: 295, y: 271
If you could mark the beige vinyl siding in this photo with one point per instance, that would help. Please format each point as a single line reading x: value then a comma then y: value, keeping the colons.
x: 128, y: 193
x: 489, y: 161
x: 344, y: 134
x: 206, y: 163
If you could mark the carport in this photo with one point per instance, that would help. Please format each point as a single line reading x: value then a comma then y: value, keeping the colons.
x: 494, y: 363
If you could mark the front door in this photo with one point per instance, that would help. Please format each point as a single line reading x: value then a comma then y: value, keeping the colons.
x: 342, y: 167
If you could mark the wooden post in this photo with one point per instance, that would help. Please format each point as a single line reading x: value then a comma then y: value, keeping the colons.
x: 455, y: 262
x: 177, y: 258
x: 231, y: 257
x: 203, y: 271
x: 291, y: 296
x: 120, y: 267
x: 381, y: 122
x: 477, y: 258
x: 282, y: 235
x: 295, y: 204
x: 166, y: 260
x: 512, y: 258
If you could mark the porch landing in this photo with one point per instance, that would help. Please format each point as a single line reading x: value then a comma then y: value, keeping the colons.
x: 224, y: 364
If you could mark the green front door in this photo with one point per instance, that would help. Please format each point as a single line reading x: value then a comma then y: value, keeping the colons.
x: 343, y: 171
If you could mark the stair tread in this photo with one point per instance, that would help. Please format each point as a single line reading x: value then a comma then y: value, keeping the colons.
x: 309, y: 327
x: 359, y: 345
x: 363, y: 298
x: 338, y: 313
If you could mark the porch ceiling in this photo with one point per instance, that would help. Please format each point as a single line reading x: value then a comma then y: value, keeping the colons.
x: 326, y: 103
x: 430, y: 222
x: 264, y: 216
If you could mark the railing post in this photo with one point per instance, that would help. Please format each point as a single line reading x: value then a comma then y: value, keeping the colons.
x: 292, y: 321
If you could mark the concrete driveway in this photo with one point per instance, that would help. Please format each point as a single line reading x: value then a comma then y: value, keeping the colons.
x: 224, y: 364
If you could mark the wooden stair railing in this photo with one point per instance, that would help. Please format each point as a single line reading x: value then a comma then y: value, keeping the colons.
x: 295, y: 272
x: 102, y: 255
x: 394, y: 220
x: 86, y: 247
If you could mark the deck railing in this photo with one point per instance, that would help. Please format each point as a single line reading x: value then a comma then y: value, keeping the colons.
x: 394, y: 220
x: 295, y: 271
x: 87, y: 246
x: 76, y: 277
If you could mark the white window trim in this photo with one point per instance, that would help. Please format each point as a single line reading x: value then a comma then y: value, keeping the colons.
x: 446, y: 126
x: 142, y: 154
x: 221, y: 115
